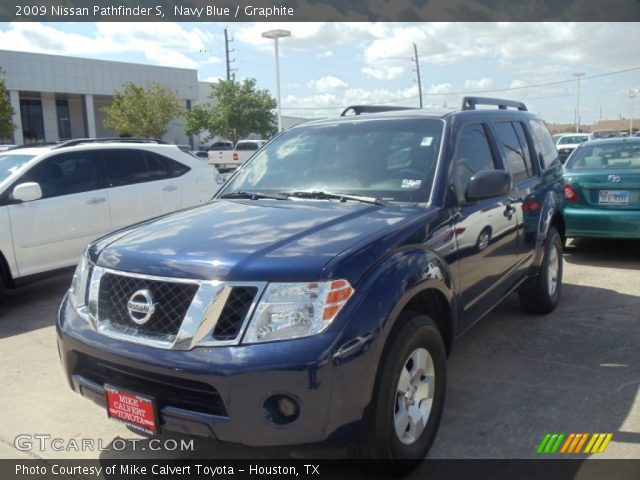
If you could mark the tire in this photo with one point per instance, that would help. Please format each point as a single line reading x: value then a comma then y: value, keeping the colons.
x: 539, y: 295
x: 484, y: 239
x: 418, y: 335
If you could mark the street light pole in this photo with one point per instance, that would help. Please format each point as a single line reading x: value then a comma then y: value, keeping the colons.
x: 578, y: 75
x: 275, y: 35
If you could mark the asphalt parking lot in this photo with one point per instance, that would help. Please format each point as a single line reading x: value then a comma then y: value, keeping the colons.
x: 512, y: 378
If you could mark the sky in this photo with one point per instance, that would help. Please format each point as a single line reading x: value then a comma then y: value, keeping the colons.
x: 327, y: 66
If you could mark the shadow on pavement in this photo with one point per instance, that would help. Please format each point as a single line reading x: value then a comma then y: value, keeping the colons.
x: 604, y: 253
x: 30, y: 308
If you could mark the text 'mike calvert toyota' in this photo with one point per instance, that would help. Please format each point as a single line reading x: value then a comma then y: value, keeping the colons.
x: 317, y: 296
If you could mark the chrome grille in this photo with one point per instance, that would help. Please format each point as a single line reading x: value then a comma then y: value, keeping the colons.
x: 234, y: 312
x: 172, y: 301
x: 187, y: 312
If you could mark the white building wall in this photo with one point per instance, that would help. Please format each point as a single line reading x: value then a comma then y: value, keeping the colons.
x: 82, y: 79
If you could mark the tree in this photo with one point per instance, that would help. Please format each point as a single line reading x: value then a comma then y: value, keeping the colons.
x: 240, y: 109
x: 6, y: 111
x: 142, y: 112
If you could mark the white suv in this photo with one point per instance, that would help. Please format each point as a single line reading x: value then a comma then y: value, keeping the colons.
x: 56, y: 199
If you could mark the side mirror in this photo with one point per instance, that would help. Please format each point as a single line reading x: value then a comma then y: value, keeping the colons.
x: 487, y: 184
x: 27, y: 192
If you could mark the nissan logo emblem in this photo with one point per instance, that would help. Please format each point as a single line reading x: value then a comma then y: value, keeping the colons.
x: 614, y: 178
x: 141, y: 307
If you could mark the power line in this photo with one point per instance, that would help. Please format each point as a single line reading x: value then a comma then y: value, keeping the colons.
x: 473, y: 92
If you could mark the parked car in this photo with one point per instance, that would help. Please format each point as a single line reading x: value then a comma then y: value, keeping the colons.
x: 317, y: 296
x: 4, y: 147
x: 567, y: 143
x: 602, y: 189
x: 604, y: 134
x: 225, y: 160
x: 56, y: 199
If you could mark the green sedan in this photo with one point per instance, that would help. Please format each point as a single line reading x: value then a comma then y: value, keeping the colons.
x: 602, y: 189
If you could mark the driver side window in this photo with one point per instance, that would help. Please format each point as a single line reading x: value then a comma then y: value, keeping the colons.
x: 473, y: 154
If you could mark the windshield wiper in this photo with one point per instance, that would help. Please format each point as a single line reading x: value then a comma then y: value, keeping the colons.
x: 254, y: 195
x: 343, y: 197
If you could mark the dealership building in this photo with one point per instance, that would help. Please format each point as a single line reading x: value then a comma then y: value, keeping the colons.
x: 59, y: 98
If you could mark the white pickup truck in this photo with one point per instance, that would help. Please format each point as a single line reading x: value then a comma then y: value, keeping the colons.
x: 226, y: 160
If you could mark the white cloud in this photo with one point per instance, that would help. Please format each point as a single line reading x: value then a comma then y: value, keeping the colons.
x: 326, y: 54
x: 440, y: 88
x: 327, y: 83
x: 168, y: 46
x: 480, y: 84
x: 388, y: 73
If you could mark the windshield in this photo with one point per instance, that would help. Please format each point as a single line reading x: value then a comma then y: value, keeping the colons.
x: 391, y: 160
x: 621, y: 154
x: 573, y: 139
x: 11, y: 163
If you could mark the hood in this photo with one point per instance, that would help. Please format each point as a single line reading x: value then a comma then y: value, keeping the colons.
x: 250, y: 240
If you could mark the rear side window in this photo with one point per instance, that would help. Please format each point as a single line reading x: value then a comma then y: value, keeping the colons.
x: 247, y: 146
x: 511, y: 137
x: 172, y: 167
x: 544, y: 143
x: 473, y: 154
x: 128, y: 167
x: 65, y: 174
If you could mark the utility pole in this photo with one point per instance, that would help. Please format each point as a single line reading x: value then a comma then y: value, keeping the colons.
x: 578, y: 75
x: 417, y: 60
x: 228, y: 51
x: 633, y: 93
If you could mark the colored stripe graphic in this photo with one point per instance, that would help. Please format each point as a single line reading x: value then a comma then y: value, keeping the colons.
x: 550, y: 443
x: 572, y: 443
x: 599, y: 442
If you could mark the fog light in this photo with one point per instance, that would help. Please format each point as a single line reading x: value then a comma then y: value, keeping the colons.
x: 281, y: 409
x: 287, y: 407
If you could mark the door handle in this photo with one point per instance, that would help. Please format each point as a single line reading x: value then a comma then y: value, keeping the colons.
x: 96, y: 200
x: 170, y: 188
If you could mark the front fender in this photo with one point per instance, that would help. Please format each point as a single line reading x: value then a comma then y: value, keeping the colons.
x: 381, y: 296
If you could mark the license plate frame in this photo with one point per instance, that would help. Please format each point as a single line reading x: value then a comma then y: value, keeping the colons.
x: 132, y: 409
x: 610, y: 197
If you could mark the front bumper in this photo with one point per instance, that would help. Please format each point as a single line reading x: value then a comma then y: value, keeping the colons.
x: 598, y: 223
x: 218, y: 392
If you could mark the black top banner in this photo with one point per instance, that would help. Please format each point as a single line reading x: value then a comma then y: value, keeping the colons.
x: 320, y: 10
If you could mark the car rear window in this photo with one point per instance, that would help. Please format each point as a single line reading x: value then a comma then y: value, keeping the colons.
x: 621, y: 154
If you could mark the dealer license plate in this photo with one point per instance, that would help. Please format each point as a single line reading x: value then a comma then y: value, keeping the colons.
x: 613, y: 197
x: 135, y: 410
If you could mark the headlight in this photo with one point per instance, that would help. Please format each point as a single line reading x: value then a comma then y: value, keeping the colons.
x: 294, y: 310
x: 78, y: 290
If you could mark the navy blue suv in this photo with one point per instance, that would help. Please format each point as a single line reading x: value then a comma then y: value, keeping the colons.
x: 316, y: 297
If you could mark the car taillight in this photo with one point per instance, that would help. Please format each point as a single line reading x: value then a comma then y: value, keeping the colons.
x: 236, y: 157
x: 570, y: 194
x: 531, y: 206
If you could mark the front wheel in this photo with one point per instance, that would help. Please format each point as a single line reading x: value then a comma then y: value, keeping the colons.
x: 409, y: 395
x: 541, y: 295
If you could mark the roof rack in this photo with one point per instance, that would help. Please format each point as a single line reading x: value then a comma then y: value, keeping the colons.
x: 360, y: 109
x: 469, y: 103
x: 79, y: 141
x: 32, y: 145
